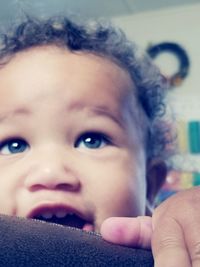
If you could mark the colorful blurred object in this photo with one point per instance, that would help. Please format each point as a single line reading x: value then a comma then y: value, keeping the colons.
x: 186, y: 175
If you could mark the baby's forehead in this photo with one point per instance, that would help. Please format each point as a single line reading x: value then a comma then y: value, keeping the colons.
x: 67, y: 61
x: 78, y: 69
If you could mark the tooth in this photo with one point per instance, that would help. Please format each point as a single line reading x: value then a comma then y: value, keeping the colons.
x: 61, y: 214
x: 47, y: 215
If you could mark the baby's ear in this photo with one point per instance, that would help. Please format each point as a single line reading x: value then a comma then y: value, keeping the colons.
x: 156, y: 175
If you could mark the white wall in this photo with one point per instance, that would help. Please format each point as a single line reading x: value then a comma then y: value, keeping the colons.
x: 181, y: 25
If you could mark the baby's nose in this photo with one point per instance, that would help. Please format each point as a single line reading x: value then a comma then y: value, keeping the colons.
x: 52, y: 170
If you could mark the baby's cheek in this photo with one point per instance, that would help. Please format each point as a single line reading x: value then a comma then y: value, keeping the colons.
x: 7, y: 204
x: 11, y: 186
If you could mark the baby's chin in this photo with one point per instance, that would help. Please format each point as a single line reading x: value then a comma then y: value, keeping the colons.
x: 88, y: 227
x: 92, y: 227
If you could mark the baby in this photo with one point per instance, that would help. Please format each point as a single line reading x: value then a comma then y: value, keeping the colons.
x: 82, y: 134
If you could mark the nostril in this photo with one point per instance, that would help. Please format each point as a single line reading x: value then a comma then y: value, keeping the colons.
x: 36, y: 187
x: 68, y: 187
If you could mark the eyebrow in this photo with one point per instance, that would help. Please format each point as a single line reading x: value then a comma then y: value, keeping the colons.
x: 103, y: 111
x: 20, y: 111
x: 94, y: 110
x: 99, y: 110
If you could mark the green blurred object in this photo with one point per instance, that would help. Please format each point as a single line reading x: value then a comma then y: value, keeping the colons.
x: 196, y: 178
x: 194, y: 136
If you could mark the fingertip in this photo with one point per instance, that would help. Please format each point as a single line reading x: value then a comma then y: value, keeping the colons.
x: 133, y: 232
x: 112, y: 230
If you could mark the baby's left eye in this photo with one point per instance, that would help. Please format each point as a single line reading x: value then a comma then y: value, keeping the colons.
x: 91, y: 141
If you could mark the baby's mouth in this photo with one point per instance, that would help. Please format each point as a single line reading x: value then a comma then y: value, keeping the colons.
x: 61, y: 216
x: 64, y: 219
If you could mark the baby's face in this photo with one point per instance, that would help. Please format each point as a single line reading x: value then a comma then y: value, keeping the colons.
x: 70, y: 151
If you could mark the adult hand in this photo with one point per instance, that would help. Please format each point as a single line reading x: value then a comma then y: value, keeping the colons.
x: 175, y: 238
x: 176, y: 234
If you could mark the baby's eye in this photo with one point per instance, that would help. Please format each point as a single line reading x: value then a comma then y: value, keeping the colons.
x: 91, y: 141
x: 13, y: 146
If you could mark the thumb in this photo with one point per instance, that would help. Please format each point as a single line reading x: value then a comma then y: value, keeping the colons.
x: 132, y: 232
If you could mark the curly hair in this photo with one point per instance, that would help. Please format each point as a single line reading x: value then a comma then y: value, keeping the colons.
x: 110, y: 42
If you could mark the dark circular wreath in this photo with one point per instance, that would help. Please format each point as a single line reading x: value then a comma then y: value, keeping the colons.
x: 184, y: 63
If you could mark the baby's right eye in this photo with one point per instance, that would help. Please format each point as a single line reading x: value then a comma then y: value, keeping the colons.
x: 13, y: 146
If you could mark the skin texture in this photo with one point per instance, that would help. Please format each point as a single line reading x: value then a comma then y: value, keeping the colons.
x: 178, y: 239
x: 50, y: 99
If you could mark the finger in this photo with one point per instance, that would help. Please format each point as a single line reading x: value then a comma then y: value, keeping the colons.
x: 192, y: 239
x: 183, y: 209
x: 168, y: 245
x: 133, y: 232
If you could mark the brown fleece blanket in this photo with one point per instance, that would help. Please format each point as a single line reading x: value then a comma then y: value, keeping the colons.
x: 33, y: 243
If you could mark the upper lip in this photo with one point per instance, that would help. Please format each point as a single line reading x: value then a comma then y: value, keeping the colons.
x: 41, y: 208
